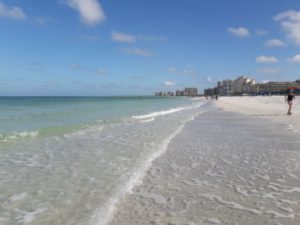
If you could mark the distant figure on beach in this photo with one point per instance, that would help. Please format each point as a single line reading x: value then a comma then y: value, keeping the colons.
x: 289, y: 98
x: 217, y: 96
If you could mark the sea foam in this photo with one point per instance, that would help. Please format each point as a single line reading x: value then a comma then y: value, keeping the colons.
x: 16, y: 135
x: 165, y: 112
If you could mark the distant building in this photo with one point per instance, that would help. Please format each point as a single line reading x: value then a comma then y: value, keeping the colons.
x: 242, y: 85
x: 225, y: 87
x: 169, y: 93
x: 280, y: 87
x: 191, y: 91
x: 259, y: 88
x: 211, y: 91
x: 275, y: 87
x: 179, y: 93
x: 187, y: 92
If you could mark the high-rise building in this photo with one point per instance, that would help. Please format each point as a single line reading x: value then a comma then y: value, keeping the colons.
x: 225, y: 87
x: 242, y: 85
x: 191, y: 91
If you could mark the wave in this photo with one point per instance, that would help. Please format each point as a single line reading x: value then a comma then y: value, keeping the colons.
x: 66, y: 131
x: 80, y: 129
x: 17, y: 135
x: 165, y: 112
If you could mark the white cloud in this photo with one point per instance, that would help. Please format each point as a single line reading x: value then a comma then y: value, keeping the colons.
x: 122, y: 37
x: 169, y: 83
x: 295, y: 59
x: 290, y: 22
x: 13, y: 12
x: 239, y: 32
x: 274, y: 43
x: 138, y: 51
x: 270, y: 70
x: 261, y: 32
x: 266, y: 59
x: 90, y: 11
x: 291, y: 15
x: 209, y: 79
x: 264, y: 81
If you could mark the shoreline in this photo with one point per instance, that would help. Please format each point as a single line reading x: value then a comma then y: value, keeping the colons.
x: 76, y: 177
x: 203, y: 177
x: 105, y: 215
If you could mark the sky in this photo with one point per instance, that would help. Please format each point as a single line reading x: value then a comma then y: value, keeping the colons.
x: 138, y: 47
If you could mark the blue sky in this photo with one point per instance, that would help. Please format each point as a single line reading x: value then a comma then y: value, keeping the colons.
x: 137, y: 47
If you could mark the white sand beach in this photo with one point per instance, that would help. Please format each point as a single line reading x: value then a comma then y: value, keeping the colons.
x: 269, y: 107
x: 237, y: 163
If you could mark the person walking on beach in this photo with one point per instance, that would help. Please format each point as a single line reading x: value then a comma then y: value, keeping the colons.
x: 289, y: 98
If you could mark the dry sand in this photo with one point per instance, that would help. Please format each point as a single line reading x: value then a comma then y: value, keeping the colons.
x: 273, y: 108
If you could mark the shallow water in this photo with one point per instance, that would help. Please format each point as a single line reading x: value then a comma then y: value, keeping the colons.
x: 76, y: 175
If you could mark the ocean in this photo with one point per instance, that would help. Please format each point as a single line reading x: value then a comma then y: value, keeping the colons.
x: 69, y: 160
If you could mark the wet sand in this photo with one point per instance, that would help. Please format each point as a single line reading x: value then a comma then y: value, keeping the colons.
x: 223, y: 168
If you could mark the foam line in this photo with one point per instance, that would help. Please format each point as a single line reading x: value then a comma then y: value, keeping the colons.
x: 165, y: 112
x: 16, y: 135
x: 103, y: 216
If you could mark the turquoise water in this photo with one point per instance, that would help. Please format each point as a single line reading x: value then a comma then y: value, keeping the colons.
x: 31, y: 116
x: 70, y: 160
